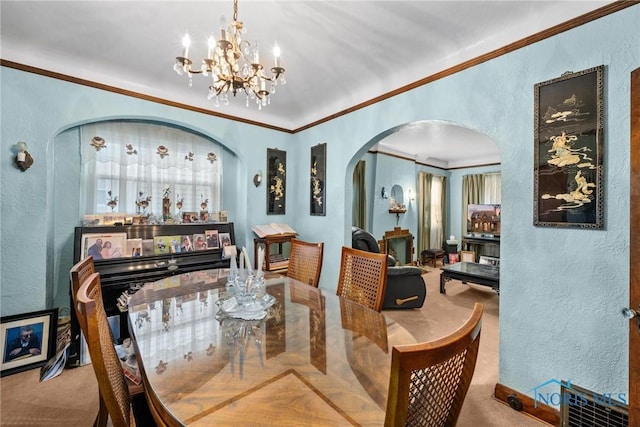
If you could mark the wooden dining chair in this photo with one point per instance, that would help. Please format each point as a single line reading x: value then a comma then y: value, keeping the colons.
x: 363, y: 277
x: 79, y: 273
x: 112, y: 383
x: 429, y: 381
x: 305, y: 261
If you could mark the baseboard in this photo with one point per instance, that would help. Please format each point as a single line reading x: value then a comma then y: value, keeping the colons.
x: 526, y: 404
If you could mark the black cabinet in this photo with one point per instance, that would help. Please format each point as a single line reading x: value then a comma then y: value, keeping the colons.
x: 118, y: 275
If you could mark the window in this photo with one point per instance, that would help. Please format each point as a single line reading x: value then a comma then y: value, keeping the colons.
x: 135, y: 160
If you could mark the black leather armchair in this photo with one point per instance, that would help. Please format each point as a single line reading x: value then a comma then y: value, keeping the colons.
x: 405, y: 285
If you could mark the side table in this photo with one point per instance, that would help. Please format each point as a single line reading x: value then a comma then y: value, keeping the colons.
x: 273, y: 261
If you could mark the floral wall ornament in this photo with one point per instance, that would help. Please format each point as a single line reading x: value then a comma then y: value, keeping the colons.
x: 162, y: 151
x: 98, y: 143
x: 276, y: 175
x: 189, y: 156
x: 212, y: 157
x: 569, y: 148
x: 142, y: 202
x: 166, y: 204
x: 131, y: 150
x: 318, y: 177
x: 113, y: 201
x: 203, y: 202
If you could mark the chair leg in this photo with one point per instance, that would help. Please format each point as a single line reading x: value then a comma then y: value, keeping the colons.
x: 103, y: 415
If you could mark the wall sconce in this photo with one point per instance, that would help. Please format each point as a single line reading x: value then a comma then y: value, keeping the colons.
x: 384, y: 194
x: 23, y: 159
x: 257, y: 178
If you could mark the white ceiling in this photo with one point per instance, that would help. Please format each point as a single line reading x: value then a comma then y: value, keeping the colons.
x: 337, y: 54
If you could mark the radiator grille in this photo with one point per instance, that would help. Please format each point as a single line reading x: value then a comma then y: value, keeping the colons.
x: 584, y: 408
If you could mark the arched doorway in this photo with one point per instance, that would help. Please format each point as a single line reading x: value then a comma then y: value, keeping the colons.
x: 389, y: 163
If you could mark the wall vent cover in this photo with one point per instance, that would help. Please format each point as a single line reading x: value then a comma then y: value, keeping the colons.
x: 584, y: 408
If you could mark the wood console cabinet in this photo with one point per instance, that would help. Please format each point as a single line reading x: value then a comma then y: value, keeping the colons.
x: 118, y: 275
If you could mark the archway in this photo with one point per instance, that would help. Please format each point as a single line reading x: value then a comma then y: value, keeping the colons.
x: 441, y: 313
x: 397, y: 155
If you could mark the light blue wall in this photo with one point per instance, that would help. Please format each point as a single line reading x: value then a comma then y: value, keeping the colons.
x: 35, y: 213
x: 392, y: 171
x: 560, y: 297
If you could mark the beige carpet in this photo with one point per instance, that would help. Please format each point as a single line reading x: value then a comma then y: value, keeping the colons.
x: 442, y: 314
x: 72, y: 398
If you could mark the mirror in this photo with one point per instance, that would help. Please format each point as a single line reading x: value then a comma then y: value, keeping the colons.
x: 397, y: 198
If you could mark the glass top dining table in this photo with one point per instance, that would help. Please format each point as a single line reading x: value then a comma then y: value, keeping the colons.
x: 315, y: 359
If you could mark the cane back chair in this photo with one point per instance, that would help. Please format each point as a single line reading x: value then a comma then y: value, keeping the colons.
x: 429, y: 381
x: 112, y: 384
x: 305, y: 262
x: 363, y: 277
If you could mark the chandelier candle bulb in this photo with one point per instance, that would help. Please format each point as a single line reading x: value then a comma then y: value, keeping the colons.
x: 256, y: 53
x: 276, y: 55
x: 212, y: 46
x: 223, y: 26
x: 186, y: 42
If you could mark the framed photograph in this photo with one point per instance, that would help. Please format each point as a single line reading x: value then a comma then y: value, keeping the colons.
x: 147, y: 247
x: 189, y: 217
x: 199, y: 242
x: 225, y: 239
x: 569, y: 151
x: 186, y: 245
x: 104, y: 246
x: 134, y: 248
x: 92, y: 220
x: 453, y: 258
x: 318, y: 177
x: 213, y: 239
x: 489, y: 260
x: 229, y: 251
x: 277, y: 181
x: 467, y: 256
x: 163, y: 245
x: 28, y: 340
x: 113, y: 219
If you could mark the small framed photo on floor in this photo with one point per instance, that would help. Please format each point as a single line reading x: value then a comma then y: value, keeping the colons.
x: 28, y: 340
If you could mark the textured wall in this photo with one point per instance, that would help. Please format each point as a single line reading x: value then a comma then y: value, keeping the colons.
x: 561, y: 290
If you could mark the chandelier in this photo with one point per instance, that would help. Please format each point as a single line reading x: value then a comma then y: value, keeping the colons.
x: 234, y: 65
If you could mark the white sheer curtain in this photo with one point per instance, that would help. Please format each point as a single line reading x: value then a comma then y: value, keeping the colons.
x: 129, y: 158
x: 492, y: 188
x: 436, y: 233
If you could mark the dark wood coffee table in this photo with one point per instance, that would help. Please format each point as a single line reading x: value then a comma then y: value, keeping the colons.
x: 481, y: 274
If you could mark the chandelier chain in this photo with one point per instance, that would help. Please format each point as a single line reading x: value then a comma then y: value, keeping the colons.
x: 235, y: 10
